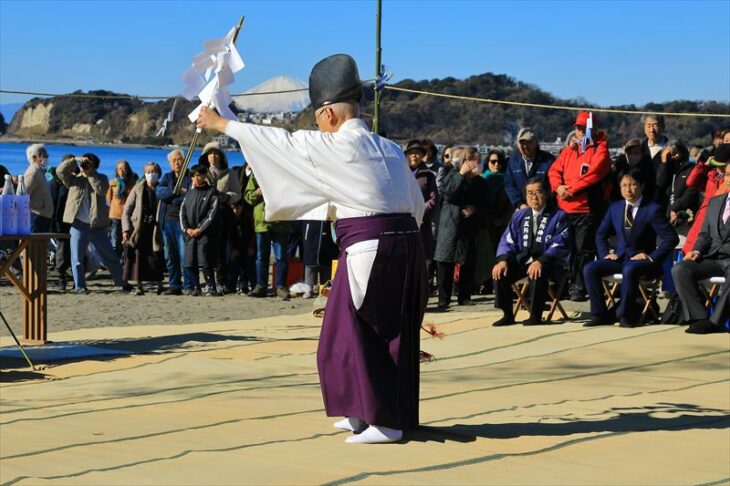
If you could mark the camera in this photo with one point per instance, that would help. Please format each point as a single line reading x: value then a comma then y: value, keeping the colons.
x: 85, y: 164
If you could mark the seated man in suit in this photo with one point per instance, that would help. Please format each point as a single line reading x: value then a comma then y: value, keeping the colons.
x: 636, y: 222
x: 710, y: 257
x: 536, y: 243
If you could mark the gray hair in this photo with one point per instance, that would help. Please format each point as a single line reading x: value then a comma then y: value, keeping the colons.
x: 155, y: 167
x: 346, y: 109
x: 33, y: 151
x: 173, y: 153
x: 659, y: 119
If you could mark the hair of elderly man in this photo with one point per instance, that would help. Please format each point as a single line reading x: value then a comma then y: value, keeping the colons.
x: 33, y: 150
x: 155, y: 167
x: 173, y: 153
x: 658, y: 118
x: 538, y: 180
x: 346, y: 109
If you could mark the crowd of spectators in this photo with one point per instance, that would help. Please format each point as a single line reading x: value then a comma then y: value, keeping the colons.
x: 490, y: 220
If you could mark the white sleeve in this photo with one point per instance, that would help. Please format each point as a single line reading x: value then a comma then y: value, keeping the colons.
x: 283, y: 168
x: 417, y: 197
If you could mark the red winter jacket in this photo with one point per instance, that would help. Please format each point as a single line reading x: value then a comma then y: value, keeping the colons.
x: 566, y: 170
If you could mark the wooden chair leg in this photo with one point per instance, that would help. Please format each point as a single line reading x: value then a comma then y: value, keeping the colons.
x: 610, y: 292
x: 649, y: 297
x: 521, y: 302
x: 709, y: 295
x: 555, y: 304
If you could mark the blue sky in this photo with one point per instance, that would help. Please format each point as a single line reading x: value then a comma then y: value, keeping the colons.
x: 609, y: 53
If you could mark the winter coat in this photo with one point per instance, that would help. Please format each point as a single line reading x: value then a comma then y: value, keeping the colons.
x: 319, y: 248
x: 683, y: 197
x: 663, y: 171
x: 166, y: 197
x: 515, y: 177
x: 94, y: 186
x: 621, y: 165
x: 116, y: 204
x: 457, y: 234
x: 132, y: 217
x: 198, y: 211
x: 257, y: 201
x: 583, y: 173
x: 427, y: 182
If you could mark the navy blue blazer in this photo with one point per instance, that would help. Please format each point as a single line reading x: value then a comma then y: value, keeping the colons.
x: 650, y: 222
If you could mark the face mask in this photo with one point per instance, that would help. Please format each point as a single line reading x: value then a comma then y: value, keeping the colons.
x: 44, y: 163
x: 151, y: 177
x: 692, y: 160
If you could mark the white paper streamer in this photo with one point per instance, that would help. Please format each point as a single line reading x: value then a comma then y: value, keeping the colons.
x: 210, y: 75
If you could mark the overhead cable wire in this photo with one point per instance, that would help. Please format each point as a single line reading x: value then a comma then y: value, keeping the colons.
x: 552, y: 107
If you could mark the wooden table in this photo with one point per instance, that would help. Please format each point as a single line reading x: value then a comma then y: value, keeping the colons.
x: 33, y: 288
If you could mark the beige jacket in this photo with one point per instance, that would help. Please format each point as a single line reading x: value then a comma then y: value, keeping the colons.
x: 93, y: 186
x: 132, y: 215
x: 41, y: 202
x: 228, y: 187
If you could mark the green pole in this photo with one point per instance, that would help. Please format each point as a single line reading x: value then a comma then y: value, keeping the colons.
x: 378, y: 51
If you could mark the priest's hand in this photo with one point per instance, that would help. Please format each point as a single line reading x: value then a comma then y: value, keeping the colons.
x: 210, y: 120
x: 534, y: 271
x: 499, y: 270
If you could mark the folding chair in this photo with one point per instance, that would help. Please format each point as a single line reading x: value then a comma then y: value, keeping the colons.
x: 555, y: 291
x: 710, y: 286
x: 648, y: 289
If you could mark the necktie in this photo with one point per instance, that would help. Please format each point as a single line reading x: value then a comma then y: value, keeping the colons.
x: 629, y: 216
x: 726, y: 213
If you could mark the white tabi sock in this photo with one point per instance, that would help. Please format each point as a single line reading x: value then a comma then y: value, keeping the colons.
x: 353, y: 424
x: 376, y: 434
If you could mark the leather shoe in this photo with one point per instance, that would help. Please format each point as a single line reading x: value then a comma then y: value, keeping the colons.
x: 626, y: 322
x: 602, y: 320
x: 504, y: 321
x: 703, y: 326
x: 533, y: 321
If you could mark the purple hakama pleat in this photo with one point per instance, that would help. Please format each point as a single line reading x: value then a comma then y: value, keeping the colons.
x: 368, y: 359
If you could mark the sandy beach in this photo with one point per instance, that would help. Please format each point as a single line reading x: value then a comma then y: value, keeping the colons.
x: 238, y: 402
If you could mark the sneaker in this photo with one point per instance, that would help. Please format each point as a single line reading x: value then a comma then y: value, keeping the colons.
x: 126, y: 287
x: 195, y: 292
x: 188, y: 291
x: 137, y: 291
x: 210, y: 291
x: 257, y: 291
x: 221, y: 290
x: 81, y: 291
x: 283, y: 293
x: 61, y: 286
x: 175, y: 291
x: 242, y: 291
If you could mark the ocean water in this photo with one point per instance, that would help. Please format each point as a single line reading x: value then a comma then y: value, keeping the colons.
x: 12, y: 156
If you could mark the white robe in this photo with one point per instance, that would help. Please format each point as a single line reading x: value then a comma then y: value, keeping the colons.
x: 328, y: 176
x: 310, y: 174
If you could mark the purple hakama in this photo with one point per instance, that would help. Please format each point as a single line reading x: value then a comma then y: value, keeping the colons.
x: 368, y: 358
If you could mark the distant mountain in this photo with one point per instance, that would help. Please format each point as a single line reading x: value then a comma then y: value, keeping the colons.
x: 284, y: 102
x: 403, y: 115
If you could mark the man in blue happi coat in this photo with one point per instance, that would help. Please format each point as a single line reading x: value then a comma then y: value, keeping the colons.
x: 536, y: 244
